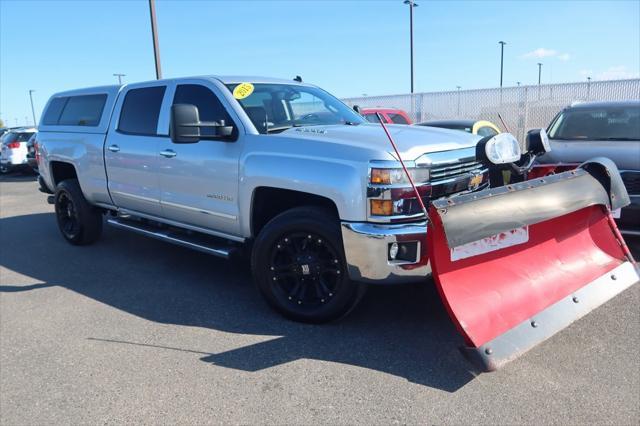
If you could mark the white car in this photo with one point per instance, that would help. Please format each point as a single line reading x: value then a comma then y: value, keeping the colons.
x: 15, y: 150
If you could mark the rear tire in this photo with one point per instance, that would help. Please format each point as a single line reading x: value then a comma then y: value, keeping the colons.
x: 79, y: 222
x: 299, y: 266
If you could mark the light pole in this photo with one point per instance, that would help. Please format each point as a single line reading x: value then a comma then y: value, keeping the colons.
x: 411, y: 4
x: 154, y: 35
x: 518, y: 83
x: 33, y: 112
x: 458, y: 88
x: 539, y: 73
x: 501, y: 43
x: 119, y: 77
x: 588, y: 88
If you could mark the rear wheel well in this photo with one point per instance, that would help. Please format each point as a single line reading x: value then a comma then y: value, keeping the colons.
x: 270, y: 202
x: 62, y: 171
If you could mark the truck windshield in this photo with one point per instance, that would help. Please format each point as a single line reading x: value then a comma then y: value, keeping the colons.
x: 605, y: 123
x: 277, y: 107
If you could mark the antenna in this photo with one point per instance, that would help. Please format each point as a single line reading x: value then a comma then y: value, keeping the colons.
x: 506, y: 128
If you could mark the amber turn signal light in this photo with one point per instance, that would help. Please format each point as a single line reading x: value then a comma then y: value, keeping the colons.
x: 382, y: 207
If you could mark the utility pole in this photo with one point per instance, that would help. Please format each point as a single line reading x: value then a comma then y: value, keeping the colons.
x: 501, y: 43
x: 33, y: 112
x: 154, y: 35
x: 539, y: 73
x: 458, y: 88
x: 119, y: 77
x: 411, y: 4
x: 588, y: 88
x: 518, y: 83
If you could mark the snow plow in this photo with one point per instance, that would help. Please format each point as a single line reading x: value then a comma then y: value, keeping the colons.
x: 516, y: 264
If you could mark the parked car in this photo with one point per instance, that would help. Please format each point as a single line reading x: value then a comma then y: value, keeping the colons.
x: 389, y: 115
x: 14, y: 149
x: 32, y: 147
x: 598, y: 129
x: 323, y: 201
x: 476, y: 127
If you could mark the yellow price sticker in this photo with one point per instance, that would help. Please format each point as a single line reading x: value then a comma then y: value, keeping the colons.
x: 243, y: 90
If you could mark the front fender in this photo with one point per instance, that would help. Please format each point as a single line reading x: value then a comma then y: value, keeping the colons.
x: 342, y: 182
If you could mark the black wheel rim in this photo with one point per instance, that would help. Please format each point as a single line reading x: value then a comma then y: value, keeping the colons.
x: 305, y: 270
x: 67, y: 216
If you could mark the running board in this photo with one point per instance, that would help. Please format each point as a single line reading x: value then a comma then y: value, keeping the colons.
x: 193, y: 241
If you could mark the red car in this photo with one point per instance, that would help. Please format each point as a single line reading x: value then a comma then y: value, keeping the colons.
x: 389, y: 115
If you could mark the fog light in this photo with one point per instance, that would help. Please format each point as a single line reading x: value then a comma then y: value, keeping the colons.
x: 393, y: 251
x: 403, y: 252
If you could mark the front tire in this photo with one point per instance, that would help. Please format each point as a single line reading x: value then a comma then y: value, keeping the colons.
x: 79, y: 222
x: 299, y: 266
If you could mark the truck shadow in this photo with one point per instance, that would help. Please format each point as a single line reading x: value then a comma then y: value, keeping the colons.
x: 401, y: 330
x: 19, y: 176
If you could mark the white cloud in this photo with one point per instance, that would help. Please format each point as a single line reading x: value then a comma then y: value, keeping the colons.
x: 619, y: 72
x: 540, y: 52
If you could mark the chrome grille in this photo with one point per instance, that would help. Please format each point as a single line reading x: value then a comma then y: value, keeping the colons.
x: 453, y: 170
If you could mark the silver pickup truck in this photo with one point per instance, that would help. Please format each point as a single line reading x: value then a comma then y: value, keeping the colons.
x: 275, y: 168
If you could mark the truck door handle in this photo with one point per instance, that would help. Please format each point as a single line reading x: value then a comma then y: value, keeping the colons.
x: 114, y: 148
x: 169, y: 153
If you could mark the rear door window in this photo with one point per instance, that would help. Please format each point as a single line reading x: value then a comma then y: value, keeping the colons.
x: 486, y: 131
x: 140, y: 111
x: 85, y: 110
x: 372, y: 118
x: 397, y: 118
x: 16, y: 137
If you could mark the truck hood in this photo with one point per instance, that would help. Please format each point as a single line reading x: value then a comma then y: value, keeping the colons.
x: 412, y: 141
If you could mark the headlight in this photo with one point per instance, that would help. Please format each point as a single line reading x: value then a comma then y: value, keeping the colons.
x: 501, y: 149
x: 394, y: 176
x: 538, y: 141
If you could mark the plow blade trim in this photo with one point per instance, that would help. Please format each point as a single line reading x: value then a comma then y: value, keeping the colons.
x: 511, y: 344
x: 479, y: 215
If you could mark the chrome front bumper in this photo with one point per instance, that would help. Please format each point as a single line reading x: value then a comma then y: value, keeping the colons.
x: 366, y: 247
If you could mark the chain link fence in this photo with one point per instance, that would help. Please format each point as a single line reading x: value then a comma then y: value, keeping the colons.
x: 522, y: 107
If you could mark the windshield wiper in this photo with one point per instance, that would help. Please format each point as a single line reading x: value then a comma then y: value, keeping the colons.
x: 619, y: 139
x: 282, y: 128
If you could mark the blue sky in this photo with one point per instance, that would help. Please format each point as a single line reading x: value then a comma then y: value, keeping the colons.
x: 347, y: 47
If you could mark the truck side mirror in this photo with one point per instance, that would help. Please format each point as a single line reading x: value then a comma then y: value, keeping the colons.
x: 185, y: 125
x: 537, y: 142
x: 356, y: 108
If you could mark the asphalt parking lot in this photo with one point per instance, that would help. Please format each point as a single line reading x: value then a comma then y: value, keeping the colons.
x: 135, y: 330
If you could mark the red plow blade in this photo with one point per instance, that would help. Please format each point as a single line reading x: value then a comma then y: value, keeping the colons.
x: 517, y: 264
